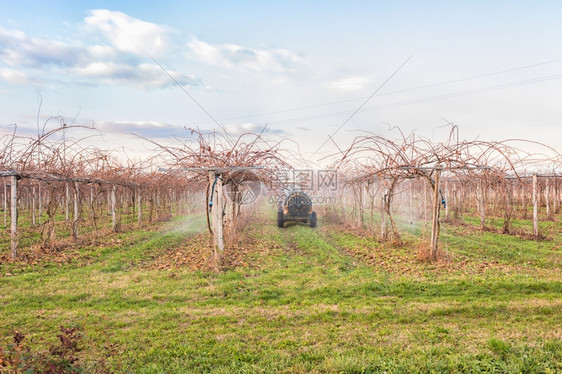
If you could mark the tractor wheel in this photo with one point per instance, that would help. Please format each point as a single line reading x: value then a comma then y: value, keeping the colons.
x: 280, y: 219
x: 313, y: 220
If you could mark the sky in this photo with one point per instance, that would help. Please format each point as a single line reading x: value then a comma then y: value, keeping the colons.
x: 305, y: 70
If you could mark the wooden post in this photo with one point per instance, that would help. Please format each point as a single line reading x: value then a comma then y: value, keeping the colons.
x: 33, y: 213
x: 424, y: 210
x: 76, y: 218
x: 455, y: 206
x: 343, y: 201
x: 139, y: 207
x: 39, y: 202
x: 371, y: 192
x: 67, y: 197
x: 555, y: 199
x: 535, y: 208
x: 217, y: 217
x: 27, y: 200
x: 411, y: 201
x: 481, y: 206
x: 170, y: 199
x: 108, y: 201
x: 113, y: 209
x: 14, y: 217
x: 361, y: 209
x: 436, y: 208
x: 383, y: 215
x: 5, y: 204
x: 446, y: 202
x: 92, y: 201
x: 524, y: 198
x: 547, y: 197
x: 157, y: 199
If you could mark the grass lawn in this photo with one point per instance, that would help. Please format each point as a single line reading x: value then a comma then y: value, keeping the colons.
x: 294, y: 300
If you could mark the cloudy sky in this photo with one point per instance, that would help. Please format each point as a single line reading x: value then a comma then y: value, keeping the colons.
x: 494, y: 68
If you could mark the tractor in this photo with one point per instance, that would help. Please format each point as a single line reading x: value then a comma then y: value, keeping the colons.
x: 297, y: 207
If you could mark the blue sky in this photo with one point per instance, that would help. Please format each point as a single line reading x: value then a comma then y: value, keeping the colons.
x: 494, y: 68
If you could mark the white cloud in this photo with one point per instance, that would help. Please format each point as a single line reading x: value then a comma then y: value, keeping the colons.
x: 353, y: 83
x: 14, y: 77
x: 102, y: 51
x: 249, y: 127
x: 240, y: 129
x: 160, y: 130
x: 128, y: 34
x: 243, y: 58
x: 143, y: 75
x: 25, y: 57
x: 146, y: 129
x: 16, y: 49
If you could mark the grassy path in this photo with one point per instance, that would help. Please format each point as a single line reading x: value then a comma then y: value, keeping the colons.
x: 295, y: 300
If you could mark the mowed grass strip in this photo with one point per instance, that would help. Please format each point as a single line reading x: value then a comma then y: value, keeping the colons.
x: 296, y: 300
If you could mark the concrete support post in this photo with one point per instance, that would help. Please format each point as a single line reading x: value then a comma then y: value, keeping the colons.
x: 217, y: 211
x: 14, y: 217
x: 436, y: 209
x: 535, y: 207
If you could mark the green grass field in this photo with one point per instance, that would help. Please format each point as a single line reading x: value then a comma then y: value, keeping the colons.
x: 293, y: 300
